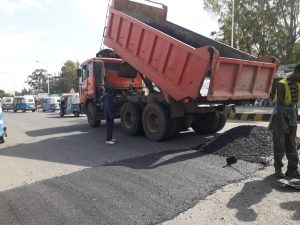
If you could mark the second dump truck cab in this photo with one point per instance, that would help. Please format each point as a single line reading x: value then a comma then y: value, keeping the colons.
x: 92, y: 76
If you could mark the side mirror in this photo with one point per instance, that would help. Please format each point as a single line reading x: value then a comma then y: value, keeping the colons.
x: 78, y: 72
x: 87, y: 73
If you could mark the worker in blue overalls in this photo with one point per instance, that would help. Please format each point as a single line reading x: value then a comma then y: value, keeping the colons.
x: 109, y: 112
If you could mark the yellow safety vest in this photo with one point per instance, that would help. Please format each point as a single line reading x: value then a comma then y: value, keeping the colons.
x: 287, y: 92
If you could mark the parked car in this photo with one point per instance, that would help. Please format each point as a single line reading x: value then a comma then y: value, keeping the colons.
x: 70, y: 104
x: 51, y: 104
x: 7, y: 103
x: 2, y: 127
x: 24, y: 103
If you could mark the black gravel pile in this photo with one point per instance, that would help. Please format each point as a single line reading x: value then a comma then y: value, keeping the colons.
x: 249, y: 143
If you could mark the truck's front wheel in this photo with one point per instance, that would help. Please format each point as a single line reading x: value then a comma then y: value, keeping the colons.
x: 2, y: 140
x: 131, y: 119
x: 91, y: 116
x: 156, y: 121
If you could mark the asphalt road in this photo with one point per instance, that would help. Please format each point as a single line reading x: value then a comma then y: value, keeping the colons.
x: 59, y: 171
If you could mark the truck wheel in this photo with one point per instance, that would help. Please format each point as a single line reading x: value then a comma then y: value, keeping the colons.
x: 76, y: 114
x: 176, y: 126
x: 15, y: 110
x: 206, y: 123
x: 91, y: 116
x: 131, y: 119
x: 2, y: 139
x: 156, y: 121
x: 222, y: 121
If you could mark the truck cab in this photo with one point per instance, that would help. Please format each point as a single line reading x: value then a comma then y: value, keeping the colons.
x: 93, y: 74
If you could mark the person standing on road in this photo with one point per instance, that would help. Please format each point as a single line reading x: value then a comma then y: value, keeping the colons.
x: 109, y: 112
x: 284, y: 124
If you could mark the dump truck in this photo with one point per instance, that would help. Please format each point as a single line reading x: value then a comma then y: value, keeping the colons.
x: 189, y: 78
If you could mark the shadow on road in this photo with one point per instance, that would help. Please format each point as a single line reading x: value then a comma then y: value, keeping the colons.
x: 253, y: 193
x: 58, y: 130
x: 88, y: 148
x: 292, y: 206
x: 156, y: 160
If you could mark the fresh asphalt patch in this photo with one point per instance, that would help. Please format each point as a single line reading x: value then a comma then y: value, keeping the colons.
x: 144, y: 190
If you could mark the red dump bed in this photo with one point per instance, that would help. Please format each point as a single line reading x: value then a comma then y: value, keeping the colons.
x: 180, y: 69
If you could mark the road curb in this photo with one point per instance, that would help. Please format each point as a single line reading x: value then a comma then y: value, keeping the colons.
x: 250, y: 116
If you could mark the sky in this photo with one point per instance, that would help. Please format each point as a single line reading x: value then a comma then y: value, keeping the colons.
x: 43, y: 34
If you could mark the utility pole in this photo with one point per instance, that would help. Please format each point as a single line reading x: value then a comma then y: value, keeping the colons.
x: 232, y: 23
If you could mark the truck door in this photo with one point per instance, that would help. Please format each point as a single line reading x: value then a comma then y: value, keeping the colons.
x: 84, y: 84
x: 90, y: 80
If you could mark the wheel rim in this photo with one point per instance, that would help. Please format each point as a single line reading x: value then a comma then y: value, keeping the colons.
x: 153, y: 122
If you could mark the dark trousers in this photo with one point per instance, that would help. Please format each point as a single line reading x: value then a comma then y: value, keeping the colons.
x: 109, y: 127
x: 284, y: 143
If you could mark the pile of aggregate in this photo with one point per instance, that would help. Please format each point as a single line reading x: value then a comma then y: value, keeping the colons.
x: 248, y: 143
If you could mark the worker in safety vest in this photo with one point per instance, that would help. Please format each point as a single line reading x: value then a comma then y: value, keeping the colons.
x: 284, y: 124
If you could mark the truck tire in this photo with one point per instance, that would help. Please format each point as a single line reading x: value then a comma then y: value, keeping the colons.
x: 176, y: 126
x: 77, y: 114
x: 2, y: 140
x: 91, y: 116
x: 206, y: 123
x: 222, y: 121
x: 131, y: 119
x: 156, y: 121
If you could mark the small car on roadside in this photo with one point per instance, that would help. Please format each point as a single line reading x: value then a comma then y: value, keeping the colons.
x: 2, y: 127
x: 7, y: 103
x: 24, y: 103
x: 51, y: 104
x: 70, y: 103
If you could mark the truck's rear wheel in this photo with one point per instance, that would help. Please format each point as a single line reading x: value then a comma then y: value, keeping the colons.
x: 176, y: 126
x: 91, y: 116
x: 156, y: 121
x: 208, y: 123
x: 131, y: 119
x: 222, y: 121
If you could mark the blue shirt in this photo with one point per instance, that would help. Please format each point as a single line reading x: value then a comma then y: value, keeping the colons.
x: 109, y: 105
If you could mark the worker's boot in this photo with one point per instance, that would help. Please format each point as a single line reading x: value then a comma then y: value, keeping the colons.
x: 278, y: 173
x: 292, y: 174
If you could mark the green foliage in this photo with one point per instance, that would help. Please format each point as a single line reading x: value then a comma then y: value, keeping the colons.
x: 296, y: 53
x: 262, y: 27
x: 3, y: 94
x: 38, y: 81
x: 23, y: 92
x: 69, y: 77
x: 59, y: 83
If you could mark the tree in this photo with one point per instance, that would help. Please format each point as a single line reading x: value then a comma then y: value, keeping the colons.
x: 4, y: 94
x: 296, y: 53
x: 68, y: 78
x: 261, y: 26
x: 38, y: 81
